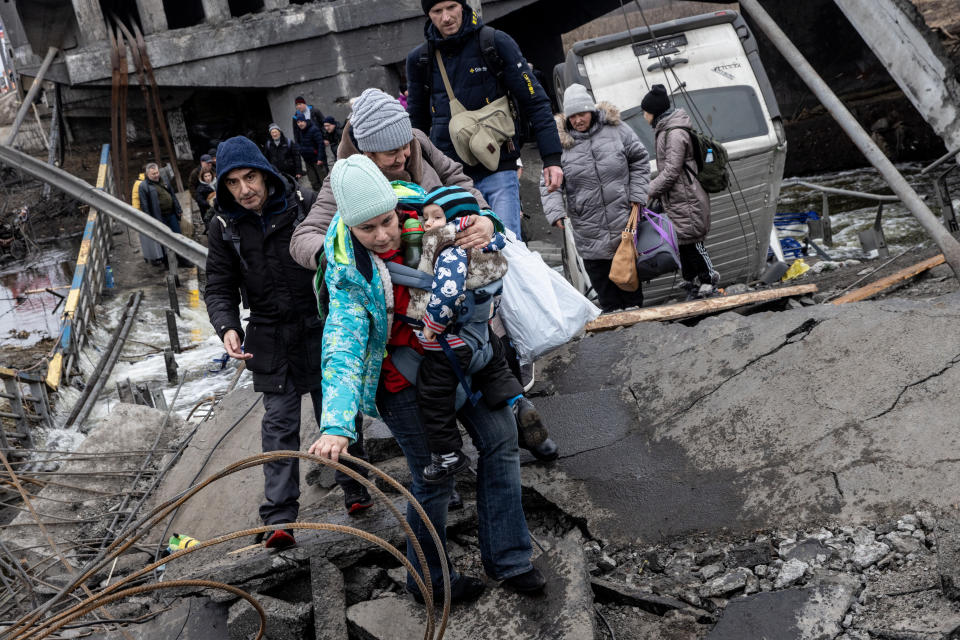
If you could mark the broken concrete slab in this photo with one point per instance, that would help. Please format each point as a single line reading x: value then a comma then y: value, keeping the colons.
x: 285, y: 620
x: 636, y: 624
x: 614, y: 592
x: 947, y: 533
x: 329, y: 604
x: 810, y: 613
x: 726, y: 584
x: 690, y: 421
x: 750, y: 555
x: 810, y: 551
x: 563, y: 612
x: 188, y: 619
x: 907, y: 603
x: 257, y: 569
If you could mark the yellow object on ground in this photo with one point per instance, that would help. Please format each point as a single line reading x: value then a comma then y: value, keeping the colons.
x: 178, y: 542
x: 797, y: 269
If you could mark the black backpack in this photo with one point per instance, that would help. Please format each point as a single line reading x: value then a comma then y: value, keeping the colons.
x: 494, y: 62
x: 711, y: 159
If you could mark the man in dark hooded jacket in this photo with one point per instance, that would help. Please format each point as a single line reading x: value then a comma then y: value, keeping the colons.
x: 282, y: 153
x: 311, y: 145
x: 249, y: 260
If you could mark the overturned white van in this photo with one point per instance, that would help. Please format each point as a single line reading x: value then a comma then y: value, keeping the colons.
x: 711, y: 67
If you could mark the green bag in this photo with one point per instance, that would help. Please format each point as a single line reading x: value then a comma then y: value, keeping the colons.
x: 711, y: 159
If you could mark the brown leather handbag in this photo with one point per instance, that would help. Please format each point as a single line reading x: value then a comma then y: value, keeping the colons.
x: 623, y: 271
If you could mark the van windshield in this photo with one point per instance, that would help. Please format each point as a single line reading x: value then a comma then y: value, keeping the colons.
x: 729, y: 113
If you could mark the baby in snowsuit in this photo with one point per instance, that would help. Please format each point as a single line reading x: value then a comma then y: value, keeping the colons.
x: 456, y: 338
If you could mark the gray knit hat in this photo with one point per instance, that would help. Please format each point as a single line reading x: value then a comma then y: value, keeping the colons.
x: 380, y: 122
x: 577, y: 100
x: 361, y: 190
x: 274, y: 125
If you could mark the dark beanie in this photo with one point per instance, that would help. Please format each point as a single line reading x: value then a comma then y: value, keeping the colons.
x: 428, y: 4
x: 656, y: 101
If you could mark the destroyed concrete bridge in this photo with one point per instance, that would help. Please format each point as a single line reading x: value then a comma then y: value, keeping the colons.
x: 328, y: 51
x: 259, y: 54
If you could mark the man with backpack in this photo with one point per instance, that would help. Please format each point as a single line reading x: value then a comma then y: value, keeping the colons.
x: 685, y: 201
x: 482, y: 65
x: 249, y: 261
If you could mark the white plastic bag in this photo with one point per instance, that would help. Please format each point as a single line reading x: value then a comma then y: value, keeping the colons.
x: 540, y: 309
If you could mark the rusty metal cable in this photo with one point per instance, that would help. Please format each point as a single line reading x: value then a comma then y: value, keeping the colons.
x: 25, y: 626
x: 53, y: 545
x: 105, y: 599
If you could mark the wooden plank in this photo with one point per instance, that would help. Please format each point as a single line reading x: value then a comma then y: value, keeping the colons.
x: 883, y: 284
x: 696, y: 307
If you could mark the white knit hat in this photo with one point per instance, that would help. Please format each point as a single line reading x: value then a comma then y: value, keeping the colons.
x: 379, y: 122
x: 577, y: 100
x: 361, y: 190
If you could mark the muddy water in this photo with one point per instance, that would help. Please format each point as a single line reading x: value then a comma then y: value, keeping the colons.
x: 27, y: 312
x: 142, y: 360
x: 849, y: 215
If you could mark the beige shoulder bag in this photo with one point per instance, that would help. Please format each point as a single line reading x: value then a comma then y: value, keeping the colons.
x: 478, y: 135
x: 623, y: 269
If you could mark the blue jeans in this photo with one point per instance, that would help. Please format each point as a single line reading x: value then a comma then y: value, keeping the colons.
x: 502, y: 192
x: 504, y: 538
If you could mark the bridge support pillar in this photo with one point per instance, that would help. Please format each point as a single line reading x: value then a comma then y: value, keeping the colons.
x: 331, y: 95
x: 897, y: 34
x: 92, y: 28
x: 216, y: 11
x: 152, y: 16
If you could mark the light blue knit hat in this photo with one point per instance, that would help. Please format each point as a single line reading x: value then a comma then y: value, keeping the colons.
x: 361, y: 190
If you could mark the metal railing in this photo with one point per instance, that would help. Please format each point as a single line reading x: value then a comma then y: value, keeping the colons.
x: 944, y: 199
x: 26, y: 395
x: 88, y: 280
x: 105, y: 202
x: 871, y: 239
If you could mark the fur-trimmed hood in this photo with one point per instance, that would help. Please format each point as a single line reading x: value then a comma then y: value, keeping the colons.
x: 482, y: 268
x: 606, y: 114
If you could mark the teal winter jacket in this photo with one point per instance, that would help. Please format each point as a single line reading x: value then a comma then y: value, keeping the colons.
x: 359, y: 321
x: 356, y: 332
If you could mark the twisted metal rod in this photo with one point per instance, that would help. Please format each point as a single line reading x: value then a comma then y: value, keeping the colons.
x: 104, y: 600
x: 130, y: 536
x: 82, y: 608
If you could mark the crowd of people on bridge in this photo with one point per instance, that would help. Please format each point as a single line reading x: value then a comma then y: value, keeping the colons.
x: 340, y: 309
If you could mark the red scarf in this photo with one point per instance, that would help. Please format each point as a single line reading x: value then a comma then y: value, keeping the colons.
x: 401, y: 335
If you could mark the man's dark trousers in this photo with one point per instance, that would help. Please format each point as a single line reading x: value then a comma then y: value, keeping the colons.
x: 280, y: 430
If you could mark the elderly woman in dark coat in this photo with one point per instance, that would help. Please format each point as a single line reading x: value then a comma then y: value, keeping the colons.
x: 606, y: 169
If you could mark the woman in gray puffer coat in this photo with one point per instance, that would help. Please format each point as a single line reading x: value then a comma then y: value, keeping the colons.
x: 606, y: 169
x: 684, y: 200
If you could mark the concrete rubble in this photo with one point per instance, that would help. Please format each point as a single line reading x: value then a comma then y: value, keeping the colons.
x: 89, y: 486
x: 688, y: 503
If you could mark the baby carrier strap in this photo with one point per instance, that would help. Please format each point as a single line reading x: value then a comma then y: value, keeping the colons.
x: 410, y: 277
